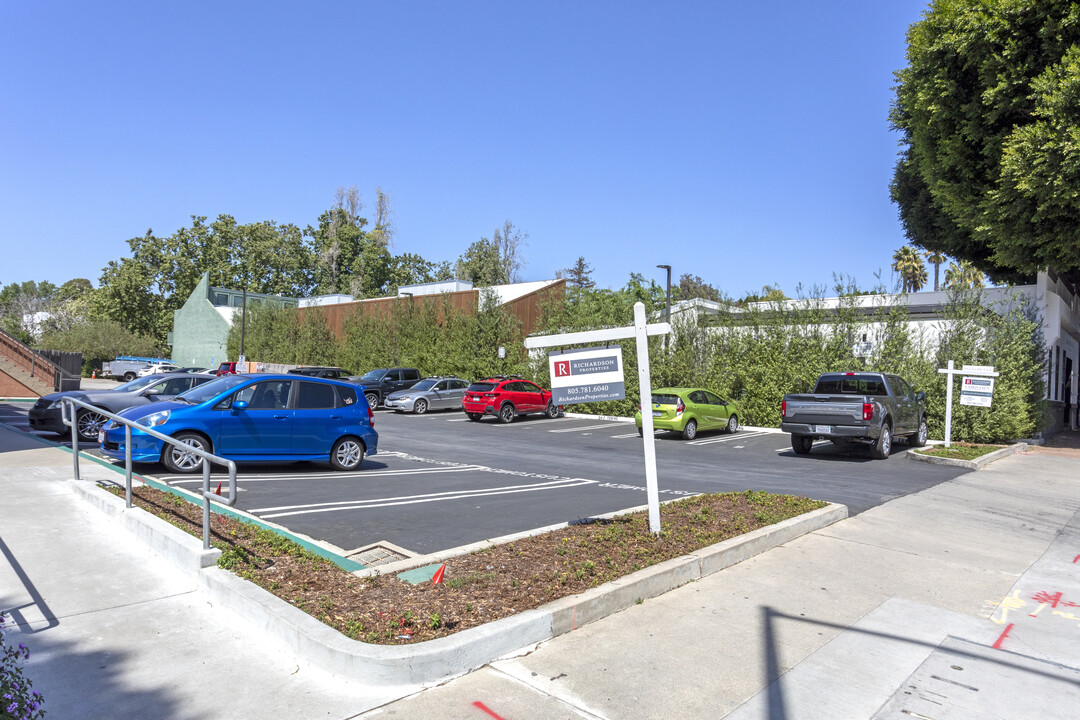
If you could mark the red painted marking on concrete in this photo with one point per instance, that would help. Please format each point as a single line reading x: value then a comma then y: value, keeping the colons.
x: 1075, y: 559
x: 486, y: 709
x: 1051, y: 599
x: 1001, y: 638
x: 573, y: 618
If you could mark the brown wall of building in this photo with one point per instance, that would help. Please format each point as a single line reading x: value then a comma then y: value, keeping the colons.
x: 526, y: 308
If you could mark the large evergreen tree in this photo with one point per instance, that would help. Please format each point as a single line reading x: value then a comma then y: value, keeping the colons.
x: 989, y: 110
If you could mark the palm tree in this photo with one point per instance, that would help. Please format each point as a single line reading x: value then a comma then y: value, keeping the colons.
x: 935, y: 258
x: 909, y: 265
x: 964, y: 275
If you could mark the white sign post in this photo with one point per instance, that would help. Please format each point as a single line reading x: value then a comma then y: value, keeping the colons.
x: 640, y: 331
x: 978, y: 394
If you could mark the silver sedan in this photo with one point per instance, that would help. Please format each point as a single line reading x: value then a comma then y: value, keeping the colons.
x: 433, y: 393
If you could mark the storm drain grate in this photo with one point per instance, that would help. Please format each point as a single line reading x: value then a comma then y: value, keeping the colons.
x: 376, y: 555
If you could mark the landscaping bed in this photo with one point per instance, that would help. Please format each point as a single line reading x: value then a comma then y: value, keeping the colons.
x: 960, y: 451
x: 480, y: 587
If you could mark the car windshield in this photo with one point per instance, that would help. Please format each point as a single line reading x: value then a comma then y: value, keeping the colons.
x: 225, y: 366
x: 665, y: 399
x: 424, y: 385
x: 136, y: 384
x: 206, y: 391
x: 374, y: 376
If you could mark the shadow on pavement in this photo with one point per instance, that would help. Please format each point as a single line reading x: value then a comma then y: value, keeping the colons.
x: 777, y: 702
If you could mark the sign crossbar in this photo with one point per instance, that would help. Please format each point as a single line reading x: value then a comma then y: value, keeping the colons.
x: 640, y: 330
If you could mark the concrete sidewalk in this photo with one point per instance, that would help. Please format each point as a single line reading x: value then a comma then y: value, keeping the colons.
x: 956, y: 602
x: 114, y: 631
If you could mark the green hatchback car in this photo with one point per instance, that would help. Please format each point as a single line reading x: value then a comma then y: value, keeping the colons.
x: 691, y: 410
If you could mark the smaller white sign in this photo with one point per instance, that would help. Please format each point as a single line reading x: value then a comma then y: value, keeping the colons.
x: 978, y: 369
x: 977, y: 400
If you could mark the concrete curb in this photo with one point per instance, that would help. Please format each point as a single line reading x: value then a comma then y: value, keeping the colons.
x: 976, y: 464
x: 443, y: 658
x: 178, y: 547
x: 437, y: 660
x: 416, y: 561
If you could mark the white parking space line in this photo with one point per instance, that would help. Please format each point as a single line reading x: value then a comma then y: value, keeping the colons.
x: 189, y: 480
x: 726, y: 438
x: 817, y: 443
x: 289, y: 510
x: 588, y: 427
x: 530, y: 423
x: 627, y: 435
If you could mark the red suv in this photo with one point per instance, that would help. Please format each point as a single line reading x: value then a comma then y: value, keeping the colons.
x: 506, y: 398
x: 226, y: 368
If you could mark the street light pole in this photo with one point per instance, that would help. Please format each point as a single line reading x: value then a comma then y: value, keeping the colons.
x: 667, y: 312
x: 243, y: 321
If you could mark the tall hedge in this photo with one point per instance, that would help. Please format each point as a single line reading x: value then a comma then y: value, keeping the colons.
x: 754, y: 356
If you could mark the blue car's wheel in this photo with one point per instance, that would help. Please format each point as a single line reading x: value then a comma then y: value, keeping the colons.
x: 181, y: 460
x: 347, y: 454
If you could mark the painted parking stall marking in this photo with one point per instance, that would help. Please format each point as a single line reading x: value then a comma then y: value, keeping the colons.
x: 290, y: 510
x: 189, y: 480
x: 727, y: 438
x: 588, y: 427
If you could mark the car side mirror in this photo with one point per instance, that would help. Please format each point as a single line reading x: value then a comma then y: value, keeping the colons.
x: 238, y: 405
x: 920, y: 396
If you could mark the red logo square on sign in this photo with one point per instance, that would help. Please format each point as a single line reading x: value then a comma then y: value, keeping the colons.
x: 562, y: 368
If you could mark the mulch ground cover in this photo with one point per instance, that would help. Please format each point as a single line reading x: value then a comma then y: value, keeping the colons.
x: 960, y: 450
x: 480, y: 587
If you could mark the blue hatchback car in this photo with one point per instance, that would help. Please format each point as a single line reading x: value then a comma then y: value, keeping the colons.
x: 253, y: 418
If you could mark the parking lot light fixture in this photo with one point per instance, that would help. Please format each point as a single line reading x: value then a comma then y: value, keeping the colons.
x: 667, y: 311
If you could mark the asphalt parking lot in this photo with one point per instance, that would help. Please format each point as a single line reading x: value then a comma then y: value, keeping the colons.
x: 440, y: 481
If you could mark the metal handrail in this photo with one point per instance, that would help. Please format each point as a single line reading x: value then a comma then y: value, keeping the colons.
x: 70, y: 418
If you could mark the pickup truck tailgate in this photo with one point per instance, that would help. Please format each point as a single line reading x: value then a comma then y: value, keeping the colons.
x: 825, y: 410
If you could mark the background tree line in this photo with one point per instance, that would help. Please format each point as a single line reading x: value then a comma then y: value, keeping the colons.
x: 751, y: 353
x: 131, y: 310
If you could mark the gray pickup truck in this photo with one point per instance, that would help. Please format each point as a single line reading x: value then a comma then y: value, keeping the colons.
x: 856, y: 407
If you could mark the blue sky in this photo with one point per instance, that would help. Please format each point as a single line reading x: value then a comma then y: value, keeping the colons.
x: 747, y: 143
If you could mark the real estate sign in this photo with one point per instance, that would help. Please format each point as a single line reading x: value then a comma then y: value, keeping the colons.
x: 587, y: 375
x: 978, y: 391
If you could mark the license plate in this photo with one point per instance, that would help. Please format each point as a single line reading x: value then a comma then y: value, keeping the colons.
x: 101, y: 436
x: 657, y: 413
x: 823, y: 428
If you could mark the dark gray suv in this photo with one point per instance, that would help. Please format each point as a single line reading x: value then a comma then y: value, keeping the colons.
x: 380, y: 383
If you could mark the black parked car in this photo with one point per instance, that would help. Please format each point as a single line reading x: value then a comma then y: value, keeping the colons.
x: 334, y: 373
x: 380, y: 383
x: 46, y: 412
